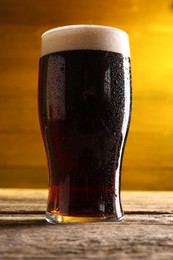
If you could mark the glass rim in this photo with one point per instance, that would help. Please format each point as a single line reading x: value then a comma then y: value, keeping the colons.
x: 85, y: 36
x: 84, y: 26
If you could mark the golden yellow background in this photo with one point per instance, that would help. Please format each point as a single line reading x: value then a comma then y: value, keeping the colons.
x: 148, y: 160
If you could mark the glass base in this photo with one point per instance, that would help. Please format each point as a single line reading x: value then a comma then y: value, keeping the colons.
x: 59, y: 219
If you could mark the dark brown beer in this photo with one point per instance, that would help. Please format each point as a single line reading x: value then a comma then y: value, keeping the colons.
x: 84, y: 109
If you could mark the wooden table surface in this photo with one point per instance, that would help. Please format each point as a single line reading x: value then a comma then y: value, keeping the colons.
x: 145, y: 233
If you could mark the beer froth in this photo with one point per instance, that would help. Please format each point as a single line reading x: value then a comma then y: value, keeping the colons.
x: 91, y: 37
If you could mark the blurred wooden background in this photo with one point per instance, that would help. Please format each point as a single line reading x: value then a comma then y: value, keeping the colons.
x: 148, y: 160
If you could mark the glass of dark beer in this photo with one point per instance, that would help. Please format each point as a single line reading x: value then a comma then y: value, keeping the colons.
x: 84, y: 110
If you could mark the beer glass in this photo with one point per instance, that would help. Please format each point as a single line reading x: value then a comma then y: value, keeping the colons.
x: 84, y: 110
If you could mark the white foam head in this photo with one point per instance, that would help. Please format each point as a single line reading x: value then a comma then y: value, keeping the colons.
x: 81, y: 37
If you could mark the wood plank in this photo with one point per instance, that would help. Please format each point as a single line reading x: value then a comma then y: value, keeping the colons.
x: 19, y: 81
x: 151, y: 179
x: 22, y: 149
x: 23, y: 160
x: 19, y: 114
x: 46, y: 14
x: 19, y: 55
x: 149, y: 115
x: 152, y: 114
x: 154, y: 202
x: 149, y: 150
x: 148, y: 155
x: 24, y: 58
x: 134, y: 202
x: 27, y: 149
x: 19, y: 12
x: 27, y: 176
x: 23, y: 194
x: 139, y: 236
x: 87, y: 241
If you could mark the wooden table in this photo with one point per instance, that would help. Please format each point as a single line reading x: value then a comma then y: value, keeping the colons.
x: 145, y: 233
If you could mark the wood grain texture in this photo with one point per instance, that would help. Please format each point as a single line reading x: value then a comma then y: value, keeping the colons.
x: 145, y: 233
x: 149, y: 150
